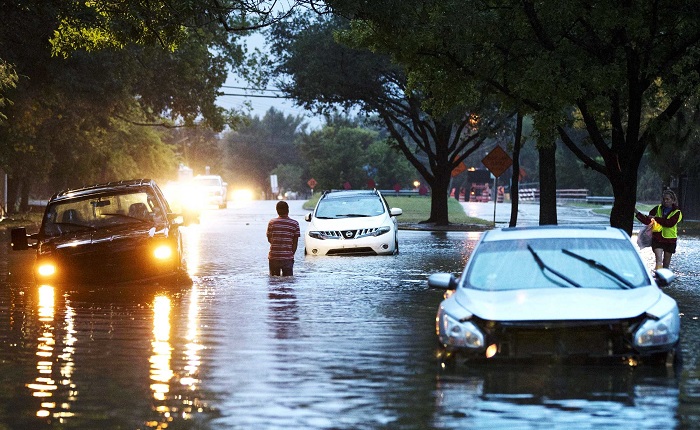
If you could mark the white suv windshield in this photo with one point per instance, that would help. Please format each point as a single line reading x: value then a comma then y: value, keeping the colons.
x: 355, y: 206
x: 550, y: 263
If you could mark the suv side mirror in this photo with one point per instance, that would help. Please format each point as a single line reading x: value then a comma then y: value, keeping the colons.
x: 395, y: 211
x: 19, y: 239
x: 307, y: 217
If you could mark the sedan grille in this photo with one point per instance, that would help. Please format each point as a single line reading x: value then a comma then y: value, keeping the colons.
x: 594, y: 339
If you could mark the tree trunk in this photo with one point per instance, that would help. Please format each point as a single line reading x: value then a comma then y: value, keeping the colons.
x: 24, y: 196
x: 624, y: 186
x: 548, y: 185
x: 439, y: 185
x: 515, y: 179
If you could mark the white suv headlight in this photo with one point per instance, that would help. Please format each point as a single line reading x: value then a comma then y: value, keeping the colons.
x: 381, y: 230
x: 317, y: 235
x: 461, y: 334
x: 664, y: 331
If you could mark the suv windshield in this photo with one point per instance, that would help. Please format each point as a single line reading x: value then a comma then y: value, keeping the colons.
x: 350, y: 206
x: 101, y: 211
x: 549, y: 263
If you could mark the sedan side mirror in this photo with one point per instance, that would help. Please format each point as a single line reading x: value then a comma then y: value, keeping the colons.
x: 443, y: 281
x: 307, y: 217
x: 395, y: 211
x: 664, y: 277
x: 19, y: 238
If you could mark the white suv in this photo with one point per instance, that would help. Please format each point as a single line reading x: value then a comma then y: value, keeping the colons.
x: 352, y: 222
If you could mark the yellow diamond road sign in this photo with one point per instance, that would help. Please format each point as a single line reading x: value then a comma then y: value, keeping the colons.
x: 497, y: 161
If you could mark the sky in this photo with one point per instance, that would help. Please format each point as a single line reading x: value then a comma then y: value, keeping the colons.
x: 236, y: 99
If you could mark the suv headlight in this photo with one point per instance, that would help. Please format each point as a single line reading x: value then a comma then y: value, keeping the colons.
x: 664, y: 331
x: 460, y: 333
x: 381, y: 230
x: 316, y: 235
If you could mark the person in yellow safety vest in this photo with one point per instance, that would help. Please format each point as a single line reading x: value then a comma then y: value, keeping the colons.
x: 667, y: 215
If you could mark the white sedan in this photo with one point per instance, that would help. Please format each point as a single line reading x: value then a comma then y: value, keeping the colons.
x: 557, y: 293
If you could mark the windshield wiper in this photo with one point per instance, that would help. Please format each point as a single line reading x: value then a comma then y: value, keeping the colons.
x: 599, y: 266
x: 544, y: 267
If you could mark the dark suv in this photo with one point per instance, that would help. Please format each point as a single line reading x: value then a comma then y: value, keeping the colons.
x: 105, y: 234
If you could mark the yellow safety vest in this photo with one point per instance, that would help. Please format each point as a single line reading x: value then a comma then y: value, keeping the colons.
x: 669, y: 232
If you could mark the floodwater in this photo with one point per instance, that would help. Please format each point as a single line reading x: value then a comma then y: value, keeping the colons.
x: 347, y: 343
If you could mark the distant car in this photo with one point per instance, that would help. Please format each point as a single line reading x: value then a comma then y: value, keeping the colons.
x: 557, y: 293
x: 352, y: 222
x: 211, y: 189
x: 106, y: 234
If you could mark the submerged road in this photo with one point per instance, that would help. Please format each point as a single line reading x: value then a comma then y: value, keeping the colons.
x: 347, y: 343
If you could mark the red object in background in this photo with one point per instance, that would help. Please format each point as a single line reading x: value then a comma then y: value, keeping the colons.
x: 347, y: 185
x: 397, y: 187
x: 371, y: 184
x: 423, y: 190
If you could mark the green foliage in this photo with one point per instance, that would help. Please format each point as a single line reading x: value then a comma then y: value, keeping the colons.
x: 337, y: 155
x: 101, y: 111
x: 389, y: 167
x: 8, y: 79
x: 322, y: 67
x: 627, y: 67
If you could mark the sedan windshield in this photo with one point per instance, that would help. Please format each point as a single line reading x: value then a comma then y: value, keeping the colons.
x: 350, y: 207
x: 101, y: 211
x: 549, y: 263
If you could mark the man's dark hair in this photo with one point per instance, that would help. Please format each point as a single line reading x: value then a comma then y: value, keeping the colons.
x: 282, y: 208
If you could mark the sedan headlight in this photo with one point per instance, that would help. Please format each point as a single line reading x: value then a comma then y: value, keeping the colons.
x: 663, y: 331
x: 46, y: 269
x: 461, y: 333
x: 163, y: 252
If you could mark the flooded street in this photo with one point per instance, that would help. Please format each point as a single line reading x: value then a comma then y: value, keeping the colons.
x: 347, y: 343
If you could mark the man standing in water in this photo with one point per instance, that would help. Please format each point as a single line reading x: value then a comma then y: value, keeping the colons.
x: 283, y: 234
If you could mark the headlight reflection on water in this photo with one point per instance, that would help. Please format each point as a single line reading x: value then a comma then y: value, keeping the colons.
x: 45, y: 385
x: 167, y: 378
x: 161, y: 373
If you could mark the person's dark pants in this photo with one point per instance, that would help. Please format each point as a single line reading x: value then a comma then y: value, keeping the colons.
x: 281, y: 267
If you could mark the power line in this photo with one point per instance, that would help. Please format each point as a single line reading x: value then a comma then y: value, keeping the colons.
x: 252, y: 89
x: 255, y: 95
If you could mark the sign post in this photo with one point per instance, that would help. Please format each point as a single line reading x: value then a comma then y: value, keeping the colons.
x: 312, y: 184
x: 497, y: 161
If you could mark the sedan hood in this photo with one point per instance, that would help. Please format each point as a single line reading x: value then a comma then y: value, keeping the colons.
x: 549, y: 304
x: 73, y: 243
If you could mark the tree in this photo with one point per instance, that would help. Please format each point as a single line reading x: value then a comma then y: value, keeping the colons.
x: 322, y: 74
x: 627, y: 67
x: 69, y: 114
x: 337, y: 154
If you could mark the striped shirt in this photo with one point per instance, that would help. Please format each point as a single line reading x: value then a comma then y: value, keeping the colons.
x: 280, y: 232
